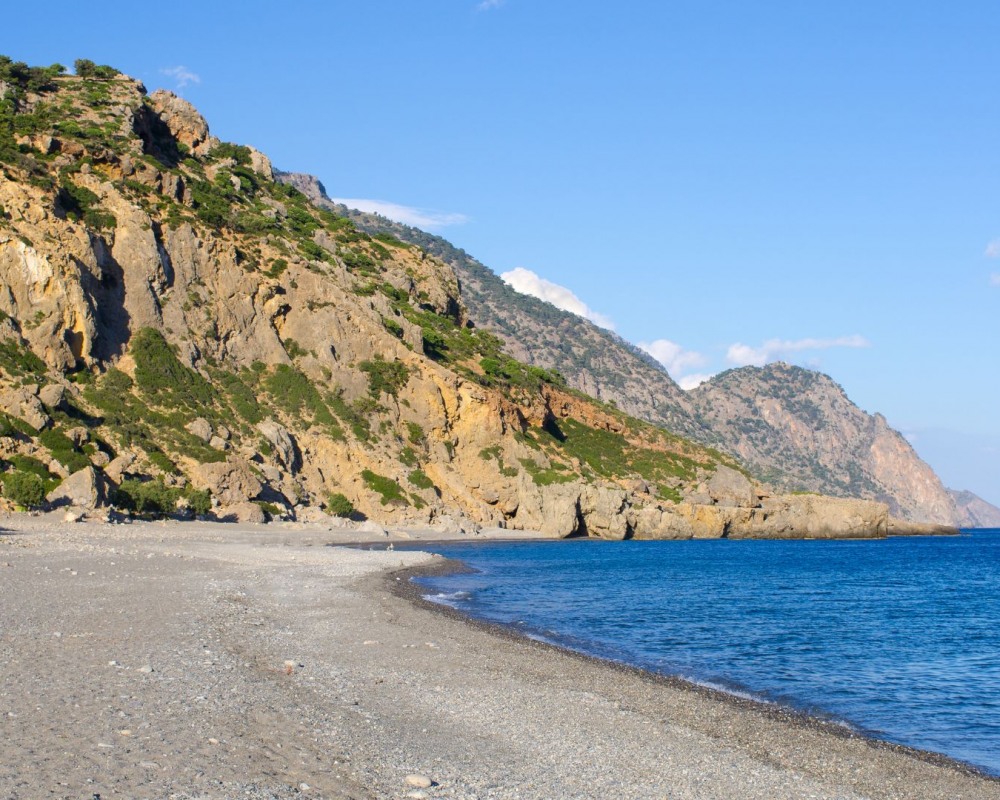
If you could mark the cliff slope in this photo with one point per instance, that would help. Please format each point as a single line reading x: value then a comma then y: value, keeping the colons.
x: 178, y: 328
x: 820, y: 443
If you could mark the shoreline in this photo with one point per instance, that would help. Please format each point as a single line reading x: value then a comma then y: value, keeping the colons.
x: 208, y: 662
x: 779, y: 712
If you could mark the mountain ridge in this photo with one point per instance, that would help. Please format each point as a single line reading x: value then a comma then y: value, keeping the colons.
x: 180, y: 330
x: 874, y: 461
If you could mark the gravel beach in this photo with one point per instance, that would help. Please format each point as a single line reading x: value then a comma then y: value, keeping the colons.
x: 198, y: 660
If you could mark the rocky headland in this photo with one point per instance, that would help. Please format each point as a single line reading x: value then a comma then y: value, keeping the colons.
x: 182, y: 333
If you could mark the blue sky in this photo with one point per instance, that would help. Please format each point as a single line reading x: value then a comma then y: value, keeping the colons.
x: 724, y: 182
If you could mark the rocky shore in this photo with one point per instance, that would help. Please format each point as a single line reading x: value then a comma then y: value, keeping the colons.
x: 187, y: 661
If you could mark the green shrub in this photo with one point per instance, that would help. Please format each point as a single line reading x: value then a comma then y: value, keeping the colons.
x: 158, y: 370
x: 199, y: 501
x: 414, y: 432
x: 419, y: 479
x: 338, y: 505
x: 63, y: 450
x: 391, y: 491
x: 24, y: 489
x: 147, y: 498
x: 385, y: 377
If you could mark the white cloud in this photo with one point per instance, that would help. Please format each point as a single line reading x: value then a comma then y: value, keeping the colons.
x: 995, y: 279
x: 417, y: 217
x: 182, y: 75
x: 674, y: 358
x: 693, y: 380
x: 488, y: 5
x: 993, y: 249
x: 527, y: 282
x: 774, y: 349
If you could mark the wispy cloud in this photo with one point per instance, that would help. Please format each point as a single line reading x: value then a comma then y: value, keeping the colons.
x: 993, y: 249
x: 408, y: 215
x: 774, y: 349
x: 527, y: 282
x: 489, y: 5
x: 182, y: 76
x: 678, y: 362
x: 995, y: 279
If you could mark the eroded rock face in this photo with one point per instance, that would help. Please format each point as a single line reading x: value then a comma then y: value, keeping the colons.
x: 85, y: 489
x: 727, y: 487
x: 25, y: 405
x: 283, y: 443
x: 182, y: 119
x: 231, y: 482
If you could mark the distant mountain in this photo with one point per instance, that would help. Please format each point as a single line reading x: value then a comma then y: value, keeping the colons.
x: 974, y: 512
x: 794, y: 428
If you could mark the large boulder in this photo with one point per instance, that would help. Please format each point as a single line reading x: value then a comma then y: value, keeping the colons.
x: 815, y: 517
x: 84, y: 489
x: 182, y: 120
x: 730, y: 488
x: 22, y: 403
x: 247, y: 513
x: 231, y: 482
x: 283, y: 443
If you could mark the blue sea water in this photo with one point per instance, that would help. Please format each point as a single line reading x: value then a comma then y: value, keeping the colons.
x: 899, y: 638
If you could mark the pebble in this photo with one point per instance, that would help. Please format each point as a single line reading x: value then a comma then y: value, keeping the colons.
x: 417, y: 793
x: 146, y: 669
x: 418, y: 781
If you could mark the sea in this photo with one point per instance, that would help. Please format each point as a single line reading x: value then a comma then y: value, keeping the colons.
x: 896, y: 638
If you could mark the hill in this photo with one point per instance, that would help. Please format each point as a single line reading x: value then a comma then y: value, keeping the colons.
x: 793, y: 428
x: 178, y: 329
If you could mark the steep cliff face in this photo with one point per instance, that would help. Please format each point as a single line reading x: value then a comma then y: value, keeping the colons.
x: 798, y: 429
x: 170, y: 317
x: 974, y: 512
x: 824, y: 443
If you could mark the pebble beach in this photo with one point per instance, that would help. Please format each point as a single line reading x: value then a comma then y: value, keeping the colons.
x: 211, y: 661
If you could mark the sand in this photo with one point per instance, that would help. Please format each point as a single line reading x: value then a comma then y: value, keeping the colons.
x: 172, y: 660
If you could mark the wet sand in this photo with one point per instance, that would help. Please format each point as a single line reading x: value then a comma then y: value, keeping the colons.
x: 191, y: 660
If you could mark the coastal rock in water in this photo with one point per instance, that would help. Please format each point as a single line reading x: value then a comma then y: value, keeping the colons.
x: 818, y: 517
x: 83, y: 489
x: 232, y: 482
x: 902, y: 527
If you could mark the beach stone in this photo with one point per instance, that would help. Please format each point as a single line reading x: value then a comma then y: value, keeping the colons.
x: 418, y: 781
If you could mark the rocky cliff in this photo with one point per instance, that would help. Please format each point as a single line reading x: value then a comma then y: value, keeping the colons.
x: 820, y: 442
x: 974, y: 512
x: 178, y: 329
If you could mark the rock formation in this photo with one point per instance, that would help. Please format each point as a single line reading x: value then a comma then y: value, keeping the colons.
x: 218, y: 340
x: 830, y: 446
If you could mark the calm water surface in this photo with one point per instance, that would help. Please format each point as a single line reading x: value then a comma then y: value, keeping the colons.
x: 899, y: 638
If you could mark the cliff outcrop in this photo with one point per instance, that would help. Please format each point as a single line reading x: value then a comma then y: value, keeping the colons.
x: 824, y: 443
x: 178, y: 330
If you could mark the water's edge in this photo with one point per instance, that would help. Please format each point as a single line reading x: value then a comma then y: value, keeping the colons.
x: 401, y: 583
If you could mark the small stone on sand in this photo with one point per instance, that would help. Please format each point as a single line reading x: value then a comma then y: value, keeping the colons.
x: 418, y: 781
